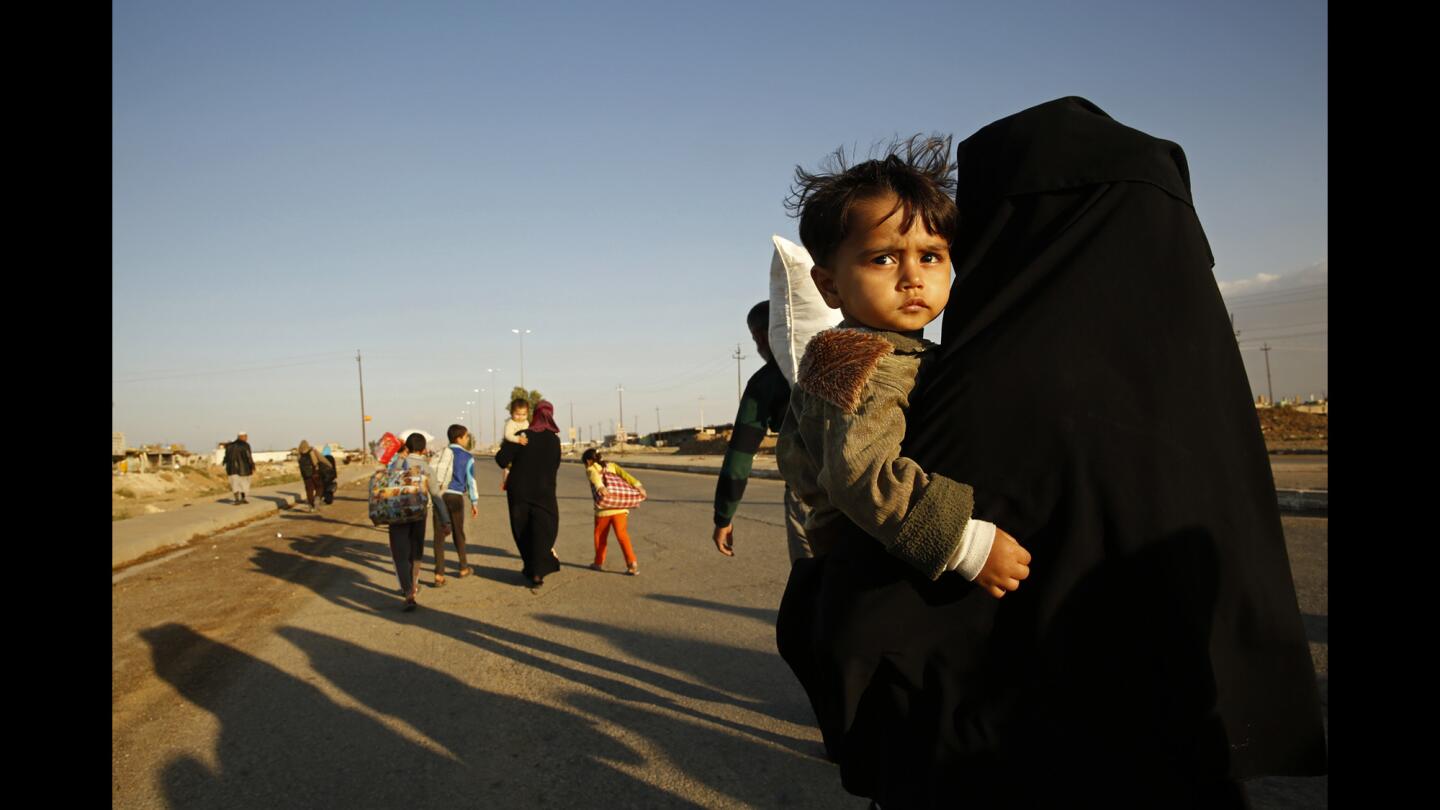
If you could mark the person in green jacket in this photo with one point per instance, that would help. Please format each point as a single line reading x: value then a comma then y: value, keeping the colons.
x: 762, y: 408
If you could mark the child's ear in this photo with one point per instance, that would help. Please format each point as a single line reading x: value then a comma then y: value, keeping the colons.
x: 825, y: 283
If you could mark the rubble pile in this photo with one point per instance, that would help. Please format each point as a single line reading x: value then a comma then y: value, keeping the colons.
x: 1290, y: 424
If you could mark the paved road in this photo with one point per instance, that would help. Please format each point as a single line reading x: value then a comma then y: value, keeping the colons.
x: 272, y: 667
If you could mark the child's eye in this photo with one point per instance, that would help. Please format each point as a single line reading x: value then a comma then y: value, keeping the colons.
x: 931, y: 257
x: 887, y: 259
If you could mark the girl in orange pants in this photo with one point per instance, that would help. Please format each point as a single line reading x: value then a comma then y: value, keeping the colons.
x: 595, y: 466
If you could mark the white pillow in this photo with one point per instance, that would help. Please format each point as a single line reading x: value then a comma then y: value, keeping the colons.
x: 797, y: 311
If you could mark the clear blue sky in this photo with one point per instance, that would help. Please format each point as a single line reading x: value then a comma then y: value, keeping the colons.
x: 293, y: 181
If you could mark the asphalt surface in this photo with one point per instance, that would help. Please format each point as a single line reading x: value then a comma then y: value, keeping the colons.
x: 271, y: 666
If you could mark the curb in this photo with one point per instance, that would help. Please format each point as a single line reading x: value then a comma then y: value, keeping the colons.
x: 1313, y: 502
x: 127, y: 550
x: 133, y: 549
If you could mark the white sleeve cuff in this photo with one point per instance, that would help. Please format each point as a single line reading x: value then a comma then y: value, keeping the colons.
x: 974, y: 549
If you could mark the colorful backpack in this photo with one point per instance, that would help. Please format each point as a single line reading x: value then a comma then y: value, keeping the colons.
x: 399, y: 495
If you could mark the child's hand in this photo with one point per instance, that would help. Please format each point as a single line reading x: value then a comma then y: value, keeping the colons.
x: 1007, y: 564
x: 522, y: 439
x: 474, y: 511
x: 602, y: 491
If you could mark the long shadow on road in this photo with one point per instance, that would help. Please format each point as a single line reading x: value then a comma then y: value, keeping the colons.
x: 765, y: 615
x: 284, y: 743
x: 744, y: 761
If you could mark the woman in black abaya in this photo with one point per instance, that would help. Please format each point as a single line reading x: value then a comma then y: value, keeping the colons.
x: 1089, y: 387
x: 530, y: 494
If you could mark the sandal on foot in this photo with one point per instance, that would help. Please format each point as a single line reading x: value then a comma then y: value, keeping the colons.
x: 596, y: 567
x: 632, y: 570
x: 464, y: 572
x: 439, y: 580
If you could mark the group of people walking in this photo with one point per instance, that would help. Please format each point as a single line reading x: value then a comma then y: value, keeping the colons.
x: 529, y: 456
x: 317, y: 470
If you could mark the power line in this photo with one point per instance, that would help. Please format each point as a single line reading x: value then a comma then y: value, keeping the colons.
x: 694, y: 375
x: 1278, y: 346
x: 1287, y: 337
x: 312, y: 356
x: 236, y: 370
x: 1280, y: 302
x: 1303, y: 288
x: 1286, y: 326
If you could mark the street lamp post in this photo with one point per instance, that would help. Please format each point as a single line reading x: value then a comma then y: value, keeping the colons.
x: 620, y: 434
x: 479, y: 428
x: 522, y: 334
x: 494, y: 431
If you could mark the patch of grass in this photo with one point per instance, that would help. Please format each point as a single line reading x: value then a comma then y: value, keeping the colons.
x: 122, y: 514
x: 124, y: 492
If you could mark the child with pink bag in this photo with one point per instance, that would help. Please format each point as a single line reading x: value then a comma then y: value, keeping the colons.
x: 615, y: 492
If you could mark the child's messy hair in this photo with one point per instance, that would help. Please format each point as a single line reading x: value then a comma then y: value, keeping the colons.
x: 919, y: 170
x: 518, y: 402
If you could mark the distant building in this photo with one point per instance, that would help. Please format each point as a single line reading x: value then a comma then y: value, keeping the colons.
x: 117, y: 443
x: 268, y: 456
x: 674, y: 437
x: 161, y: 457
x: 218, y: 455
x: 150, y: 458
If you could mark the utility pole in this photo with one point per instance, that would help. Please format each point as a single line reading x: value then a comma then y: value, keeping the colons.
x: 738, y: 358
x: 1233, y: 329
x: 702, y: 413
x: 1268, y: 387
x: 364, y: 438
x: 657, y: 425
x: 619, y: 437
x: 575, y: 438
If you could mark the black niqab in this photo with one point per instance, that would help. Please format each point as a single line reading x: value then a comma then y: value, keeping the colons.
x: 1090, y: 389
